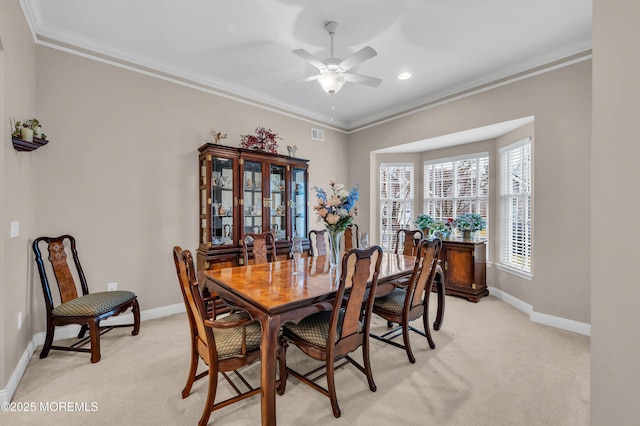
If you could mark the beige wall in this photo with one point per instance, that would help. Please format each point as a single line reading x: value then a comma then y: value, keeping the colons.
x: 560, y: 101
x: 18, y: 100
x: 121, y: 170
x: 615, y: 343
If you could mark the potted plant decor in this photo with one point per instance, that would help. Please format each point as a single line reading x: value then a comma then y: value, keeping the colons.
x: 469, y: 223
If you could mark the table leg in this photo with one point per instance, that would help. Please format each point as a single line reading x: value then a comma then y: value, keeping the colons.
x: 269, y: 350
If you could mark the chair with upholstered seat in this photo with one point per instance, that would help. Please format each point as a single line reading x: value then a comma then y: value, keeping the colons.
x: 224, y: 344
x: 260, y: 248
x: 402, y: 305
x: 330, y: 336
x: 87, y: 309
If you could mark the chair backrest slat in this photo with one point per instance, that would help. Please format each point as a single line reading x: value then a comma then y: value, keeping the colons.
x: 58, y: 259
x: 261, y: 245
x: 424, y: 270
x: 317, y: 238
x: 355, y: 274
x: 409, y: 240
x: 196, y: 309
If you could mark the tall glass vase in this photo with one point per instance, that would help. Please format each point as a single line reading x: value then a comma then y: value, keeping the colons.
x: 334, y: 247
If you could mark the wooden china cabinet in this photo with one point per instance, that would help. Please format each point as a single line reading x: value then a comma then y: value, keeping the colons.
x: 464, y: 268
x: 244, y: 191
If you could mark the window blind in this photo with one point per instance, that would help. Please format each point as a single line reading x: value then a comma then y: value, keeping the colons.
x: 396, y: 201
x: 515, y: 200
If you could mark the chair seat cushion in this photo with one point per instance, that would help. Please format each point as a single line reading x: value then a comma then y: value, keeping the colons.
x: 314, y: 329
x: 392, y: 302
x: 229, y: 340
x: 93, y: 304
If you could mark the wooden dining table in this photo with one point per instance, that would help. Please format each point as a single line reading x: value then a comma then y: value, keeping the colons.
x: 287, y: 291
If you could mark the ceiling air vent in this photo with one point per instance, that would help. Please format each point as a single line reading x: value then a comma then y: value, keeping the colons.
x: 317, y: 135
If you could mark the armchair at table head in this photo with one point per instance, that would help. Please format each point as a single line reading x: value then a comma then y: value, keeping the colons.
x: 259, y: 247
x: 404, y: 305
x: 224, y: 345
x: 86, y: 309
x: 331, y: 335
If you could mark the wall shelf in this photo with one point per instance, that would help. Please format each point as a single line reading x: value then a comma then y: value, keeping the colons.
x: 22, y: 145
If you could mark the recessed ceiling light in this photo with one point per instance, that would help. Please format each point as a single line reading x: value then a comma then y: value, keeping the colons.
x: 404, y: 75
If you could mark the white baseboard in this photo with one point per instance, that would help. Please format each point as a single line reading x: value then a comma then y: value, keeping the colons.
x: 550, y: 320
x: 68, y: 331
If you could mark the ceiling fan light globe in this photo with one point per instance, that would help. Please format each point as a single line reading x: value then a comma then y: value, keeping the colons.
x: 331, y: 82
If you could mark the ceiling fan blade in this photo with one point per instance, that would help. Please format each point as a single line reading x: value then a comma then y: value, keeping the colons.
x: 309, y: 58
x: 301, y: 80
x: 358, y: 57
x: 363, y: 79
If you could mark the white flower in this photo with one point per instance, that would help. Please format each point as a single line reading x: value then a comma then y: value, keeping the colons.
x: 343, y: 193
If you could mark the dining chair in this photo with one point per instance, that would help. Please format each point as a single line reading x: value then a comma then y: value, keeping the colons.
x: 318, y: 239
x: 224, y: 344
x: 330, y: 335
x: 350, y: 237
x: 403, y: 305
x: 261, y: 247
x: 86, y: 309
x: 408, y: 239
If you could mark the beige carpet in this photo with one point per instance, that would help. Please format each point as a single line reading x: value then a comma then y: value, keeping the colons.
x: 491, y: 366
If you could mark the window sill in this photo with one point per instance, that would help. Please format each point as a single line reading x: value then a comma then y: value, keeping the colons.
x: 525, y: 275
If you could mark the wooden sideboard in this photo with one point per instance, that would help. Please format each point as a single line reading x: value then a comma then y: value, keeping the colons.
x: 464, y: 268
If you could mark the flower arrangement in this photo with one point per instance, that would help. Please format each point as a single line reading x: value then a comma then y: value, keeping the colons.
x: 263, y: 140
x: 470, y: 222
x: 336, y: 209
x: 424, y: 221
x: 443, y: 225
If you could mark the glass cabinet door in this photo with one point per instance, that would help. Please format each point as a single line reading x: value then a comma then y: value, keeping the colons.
x: 252, y: 197
x: 299, y: 203
x: 222, y: 201
x: 278, y: 201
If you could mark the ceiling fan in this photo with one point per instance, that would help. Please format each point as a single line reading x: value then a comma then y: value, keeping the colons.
x: 333, y: 71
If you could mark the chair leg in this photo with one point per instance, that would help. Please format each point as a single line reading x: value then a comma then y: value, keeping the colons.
x: 282, y: 361
x: 331, y: 387
x: 427, y: 331
x: 94, y: 334
x: 136, y: 317
x: 367, y: 364
x: 48, y: 341
x: 407, y: 343
x: 211, y: 396
x: 191, y: 377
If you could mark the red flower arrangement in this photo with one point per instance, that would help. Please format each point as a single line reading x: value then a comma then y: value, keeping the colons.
x: 263, y: 140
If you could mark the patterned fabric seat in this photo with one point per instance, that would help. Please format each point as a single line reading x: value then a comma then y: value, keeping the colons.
x: 392, y: 302
x: 93, y: 304
x: 314, y: 329
x: 229, y: 340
